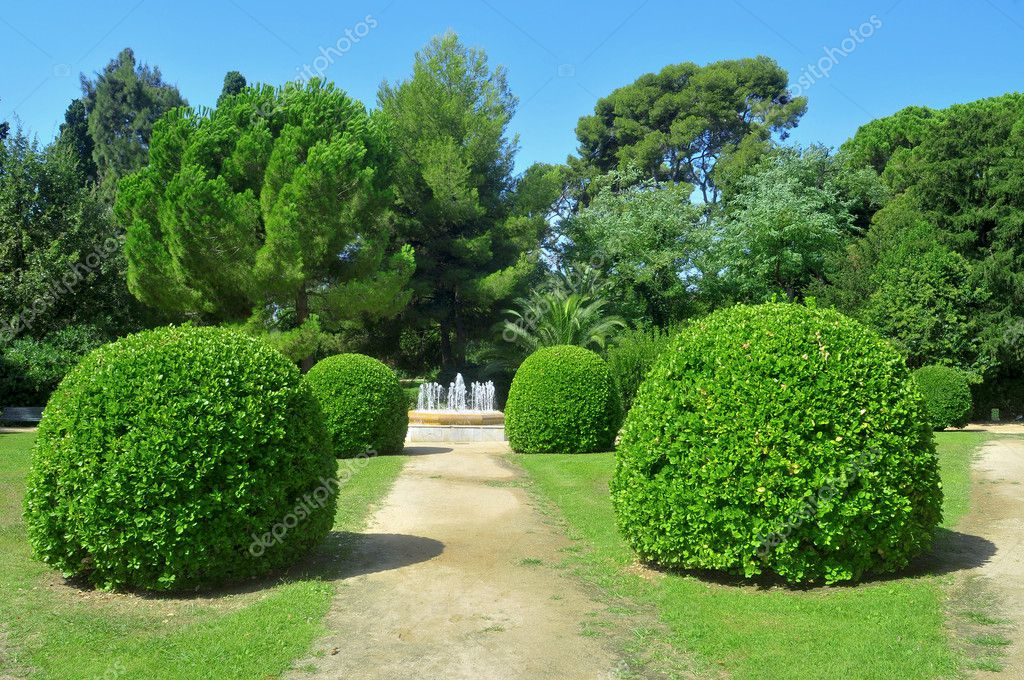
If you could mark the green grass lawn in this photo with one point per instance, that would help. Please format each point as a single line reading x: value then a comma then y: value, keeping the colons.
x: 57, y: 631
x: 884, y: 629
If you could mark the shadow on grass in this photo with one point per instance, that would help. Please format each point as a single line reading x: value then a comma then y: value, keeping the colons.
x: 952, y: 551
x: 341, y: 555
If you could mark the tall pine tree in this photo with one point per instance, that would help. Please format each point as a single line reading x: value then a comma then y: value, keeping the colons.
x: 455, y: 190
x: 123, y: 102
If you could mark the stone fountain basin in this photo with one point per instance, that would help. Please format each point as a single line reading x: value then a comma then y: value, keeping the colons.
x: 456, y: 426
x: 457, y: 417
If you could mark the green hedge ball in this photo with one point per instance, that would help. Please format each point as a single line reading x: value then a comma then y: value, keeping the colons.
x: 180, y: 458
x: 778, y: 439
x: 363, y: 403
x: 947, y: 395
x: 562, y: 400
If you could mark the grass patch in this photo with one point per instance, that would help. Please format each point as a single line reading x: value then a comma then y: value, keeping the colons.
x: 253, y: 631
x: 956, y: 451
x: 881, y: 629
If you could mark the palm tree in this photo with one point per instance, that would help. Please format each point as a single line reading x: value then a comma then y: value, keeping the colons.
x: 557, y: 316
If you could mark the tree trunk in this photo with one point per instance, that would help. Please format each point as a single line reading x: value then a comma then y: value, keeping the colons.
x: 447, y: 360
x: 459, y: 346
x: 301, y: 314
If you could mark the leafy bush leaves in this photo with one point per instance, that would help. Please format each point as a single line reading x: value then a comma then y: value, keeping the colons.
x: 562, y: 400
x: 778, y: 438
x: 363, y: 404
x: 947, y: 395
x: 164, y: 456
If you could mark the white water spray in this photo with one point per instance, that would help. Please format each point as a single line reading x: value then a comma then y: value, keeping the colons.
x: 434, y: 397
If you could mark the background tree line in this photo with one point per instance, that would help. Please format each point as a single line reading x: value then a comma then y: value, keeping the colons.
x: 404, y: 232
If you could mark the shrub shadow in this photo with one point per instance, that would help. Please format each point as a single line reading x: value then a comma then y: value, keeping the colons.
x: 339, y: 556
x: 344, y: 555
x: 425, y: 450
x: 952, y: 551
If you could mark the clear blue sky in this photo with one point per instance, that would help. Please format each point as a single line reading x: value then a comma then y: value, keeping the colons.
x: 561, y: 56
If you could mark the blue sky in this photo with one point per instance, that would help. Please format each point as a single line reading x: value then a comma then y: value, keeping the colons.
x: 561, y: 56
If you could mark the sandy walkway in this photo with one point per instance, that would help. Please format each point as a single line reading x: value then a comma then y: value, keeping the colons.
x: 450, y: 581
x: 997, y: 514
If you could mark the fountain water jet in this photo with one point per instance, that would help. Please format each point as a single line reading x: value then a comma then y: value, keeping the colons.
x: 457, y: 414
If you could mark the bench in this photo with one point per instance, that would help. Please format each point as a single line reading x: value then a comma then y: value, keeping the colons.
x: 21, y: 414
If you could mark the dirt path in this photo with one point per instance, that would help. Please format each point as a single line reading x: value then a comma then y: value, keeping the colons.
x: 450, y: 581
x: 997, y: 514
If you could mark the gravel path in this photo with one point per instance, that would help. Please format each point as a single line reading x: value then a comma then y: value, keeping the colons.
x: 451, y: 580
x: 997, y: 514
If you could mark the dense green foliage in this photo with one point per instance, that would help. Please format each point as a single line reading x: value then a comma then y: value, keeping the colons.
x: 403, y: 233
x: 877, y: 142
x: 179, y: 458
x: 651, y: 244
x: 562, y: 400
x: 957, y: 182
x: 925, y: 297
x: 234, y: 83
x: 457, y: 202
x: 570, y: 310
x: 631, y: 358
x: 783, y: 223
x: 782, y: 439
x: 947, y: 395
x: 675, y: 125
x: 297, y: 216
x: 74, y: 136
x: 270, y: 209
x: 123, y: 102
x: 60, y: 256
x: 363, y: 404
x: 31, y: 369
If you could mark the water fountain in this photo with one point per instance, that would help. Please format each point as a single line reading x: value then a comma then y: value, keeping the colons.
x: 456, y: 413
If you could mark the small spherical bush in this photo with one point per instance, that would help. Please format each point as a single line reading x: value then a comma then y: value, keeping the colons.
x: 363, y: 403
x: 180, y: 458
x: 562, y: 400
x: 778, y: 439
x: 947, y: 395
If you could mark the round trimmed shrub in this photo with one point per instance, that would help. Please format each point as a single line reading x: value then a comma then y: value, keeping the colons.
x: 562, y: 400
x: 179, y: 458
x: 364, y: 406
x: 947, y: 395
x: 778, y: 439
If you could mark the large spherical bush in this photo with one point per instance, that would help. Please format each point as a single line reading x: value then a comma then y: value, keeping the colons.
x: 179, y: 458
x: 363, y: 403
x: 780, y: 439
x: 947, y: 395
x: 562, y: 400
